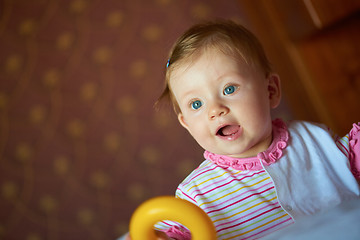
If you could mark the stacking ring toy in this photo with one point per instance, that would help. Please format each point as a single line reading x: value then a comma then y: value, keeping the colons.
x: 174, y: 209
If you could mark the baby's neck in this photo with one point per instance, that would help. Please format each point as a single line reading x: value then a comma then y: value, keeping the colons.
x: 259, y: 147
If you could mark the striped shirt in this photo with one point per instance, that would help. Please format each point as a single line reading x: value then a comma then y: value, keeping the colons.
x: 252, y: 203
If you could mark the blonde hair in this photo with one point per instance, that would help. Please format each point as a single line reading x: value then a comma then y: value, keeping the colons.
x: 227, y: 36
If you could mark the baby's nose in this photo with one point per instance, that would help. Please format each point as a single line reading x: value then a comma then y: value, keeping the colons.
x: 217, y: 110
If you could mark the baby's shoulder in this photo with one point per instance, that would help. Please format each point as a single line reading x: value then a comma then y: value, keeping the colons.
x: 202, y: 170
x: 305, y: 133
x: 306, y: 128
x: 300, y: 124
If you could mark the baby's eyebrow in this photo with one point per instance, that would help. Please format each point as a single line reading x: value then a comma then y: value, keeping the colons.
x: 187, y: 95
x: 228, y: 76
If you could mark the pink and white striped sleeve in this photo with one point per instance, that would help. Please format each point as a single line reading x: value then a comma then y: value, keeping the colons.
x: 350, y: 146
x: 175, y: 230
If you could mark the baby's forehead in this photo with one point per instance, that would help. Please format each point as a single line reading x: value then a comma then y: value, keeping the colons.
x: 208, y: 54
x: 208, y: 67
x: 211, y: 57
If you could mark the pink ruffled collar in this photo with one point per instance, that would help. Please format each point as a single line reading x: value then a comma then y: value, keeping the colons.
x: 271, y: 155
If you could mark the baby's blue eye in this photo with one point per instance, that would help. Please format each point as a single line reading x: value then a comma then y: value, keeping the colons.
x: 196, y: 104
x: 229, y: 90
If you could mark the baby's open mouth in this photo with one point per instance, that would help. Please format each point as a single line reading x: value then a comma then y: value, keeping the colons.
x: 228, y: 130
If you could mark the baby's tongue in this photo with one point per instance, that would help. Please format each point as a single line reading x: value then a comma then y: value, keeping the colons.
x: 230, y: 129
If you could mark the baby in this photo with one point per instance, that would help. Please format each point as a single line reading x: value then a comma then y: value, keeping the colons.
x: 259, y: 175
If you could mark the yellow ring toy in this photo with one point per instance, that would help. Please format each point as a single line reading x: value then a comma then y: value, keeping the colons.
x: 170, y: 208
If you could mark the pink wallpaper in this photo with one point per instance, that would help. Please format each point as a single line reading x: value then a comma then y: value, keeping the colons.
x: 80, y: 143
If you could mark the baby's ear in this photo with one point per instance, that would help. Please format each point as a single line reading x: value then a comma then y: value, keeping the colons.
x: 274, y: 89
x: 182, y: 121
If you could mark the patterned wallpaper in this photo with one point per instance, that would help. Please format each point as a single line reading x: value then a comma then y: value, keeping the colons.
x: 80, y: 143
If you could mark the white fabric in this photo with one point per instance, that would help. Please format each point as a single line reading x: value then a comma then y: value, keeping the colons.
x: 312, y: 174
x: 341, y: 222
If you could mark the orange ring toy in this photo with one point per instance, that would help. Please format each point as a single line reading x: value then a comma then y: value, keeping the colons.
x: 174, y: 209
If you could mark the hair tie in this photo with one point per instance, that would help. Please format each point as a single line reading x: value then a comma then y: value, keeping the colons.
x: 168, y: 63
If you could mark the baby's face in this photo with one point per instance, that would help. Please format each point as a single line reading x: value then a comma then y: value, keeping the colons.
x: 225, y: 104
